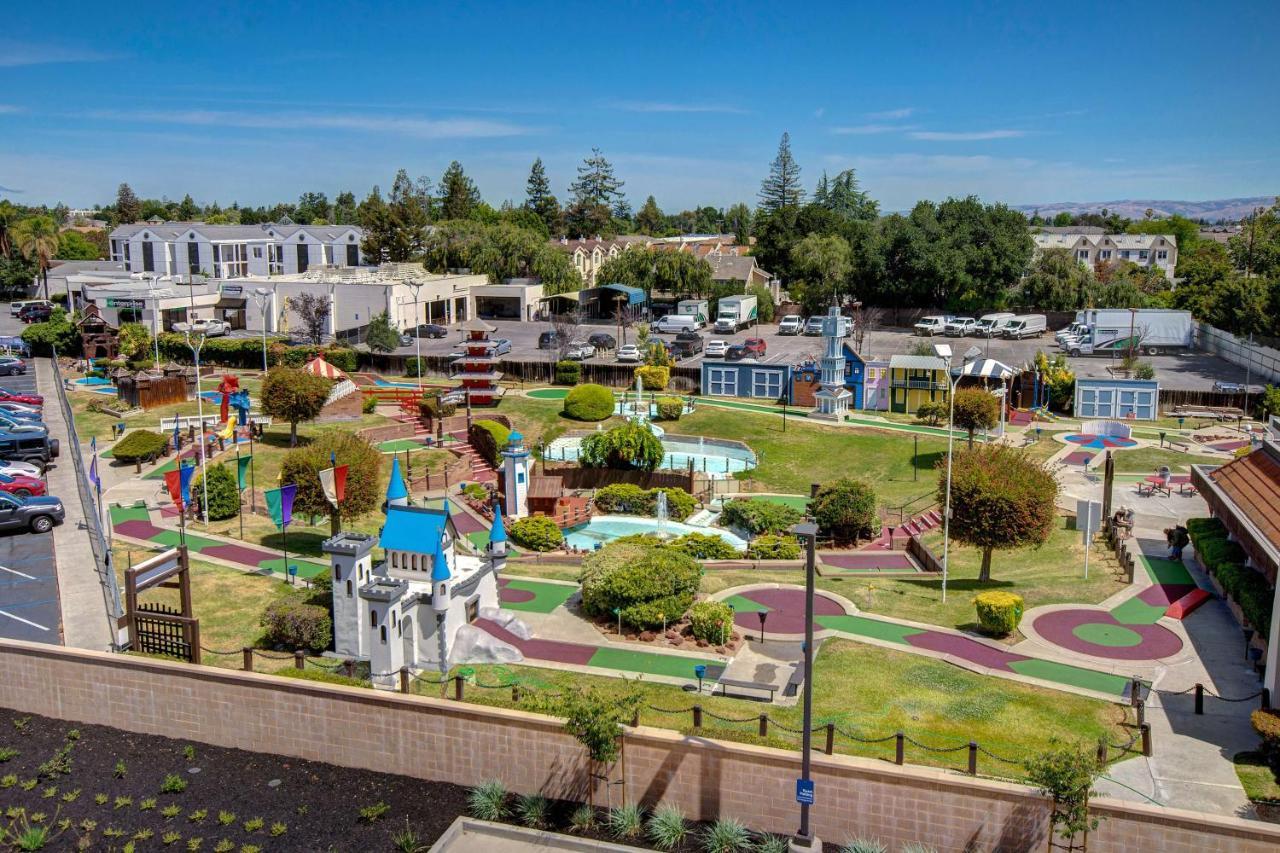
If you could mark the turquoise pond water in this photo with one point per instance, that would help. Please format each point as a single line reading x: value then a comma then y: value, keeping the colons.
x: 604, y: 528
x: 90, y: 381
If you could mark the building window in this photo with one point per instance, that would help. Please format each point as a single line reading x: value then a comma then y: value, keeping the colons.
x: 1124, y: 254
x: 383, y: 634
x: 303, y: 257
x: 1082, y: 254
x: 193, y: 258
x: 348, y: 589
x: 766, y: 384
x: 337, y: 573
x: 1162, y: 255
x: 395, y: 559
x: 257, y: 251
x: 1105, y: 254
x: 373, y: 619
x: 1143, y: 255
x: 722, y: 381
x: 148, y: 257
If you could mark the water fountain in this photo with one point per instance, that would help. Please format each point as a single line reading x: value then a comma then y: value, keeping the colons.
x: 660, y: 510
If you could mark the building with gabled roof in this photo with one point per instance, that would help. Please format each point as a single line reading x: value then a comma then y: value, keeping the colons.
x: 234, y: 251
x: 1090, y: 248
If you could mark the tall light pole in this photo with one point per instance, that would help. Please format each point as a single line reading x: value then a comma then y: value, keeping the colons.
x: 944, y: 350
x: 262, y: 296
x: 155, y: 310
x: 807, y: 532
x: 204, y: 474
x: 417, y: 338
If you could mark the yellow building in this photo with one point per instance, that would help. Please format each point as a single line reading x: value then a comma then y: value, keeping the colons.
x: 916, y: 379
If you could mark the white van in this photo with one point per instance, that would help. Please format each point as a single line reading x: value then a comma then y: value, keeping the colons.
x: 1026, y: 326
x: 672, y: 323
x: 934, y: 325
x: 992, y: 325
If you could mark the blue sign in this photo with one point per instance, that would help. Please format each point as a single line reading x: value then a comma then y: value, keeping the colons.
x: 293, y: 570
x: 804, y: 791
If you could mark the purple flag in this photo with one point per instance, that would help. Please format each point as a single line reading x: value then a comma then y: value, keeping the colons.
x: 286, y: 503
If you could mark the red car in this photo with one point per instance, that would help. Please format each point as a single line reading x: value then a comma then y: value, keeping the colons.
x: 750, y: 348
x: 21, y: 485
x: 7, y: 396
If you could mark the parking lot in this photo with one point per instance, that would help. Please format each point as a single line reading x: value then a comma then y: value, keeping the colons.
x: 29, y: 608
x: 1189, y: 371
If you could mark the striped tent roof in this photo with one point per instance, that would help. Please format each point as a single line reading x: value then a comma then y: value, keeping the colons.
x: 987, y: 368
x: 319, y: 367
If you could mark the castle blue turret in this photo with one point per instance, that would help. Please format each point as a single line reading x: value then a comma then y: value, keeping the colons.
x: 497, y: 549
x: 397, y: 492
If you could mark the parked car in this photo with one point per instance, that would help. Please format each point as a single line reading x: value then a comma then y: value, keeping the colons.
x: 11, y: 366
x: 26, y: 469
x: 716, y: 348
x: 792, y: 324
x: 549, y: 340
x: 7, y: 396
x: 21, y: 485
x: 429, y: 330
x: 37, y: 449
x: 602, y: 341
x: 406, y: 340
x: 501, y: 346
x: 813, y: 326
x: 24, y: 415
x: 675, y: 323
x: 206, y: 326
x: 37, y: 514
x: 36, y: 313
x: 580, y: 350
x: 750, y: 348
x: 10, y: 424
x: 933, y: 325
x: 629, y: 353
x: 20, y: 409
x: 958, y: 327
x: 15, y: 308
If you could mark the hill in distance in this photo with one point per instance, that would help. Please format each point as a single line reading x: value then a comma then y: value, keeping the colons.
x: 1211, y: 211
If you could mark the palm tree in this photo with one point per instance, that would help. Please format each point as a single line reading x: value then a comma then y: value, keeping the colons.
x: 37, y: 239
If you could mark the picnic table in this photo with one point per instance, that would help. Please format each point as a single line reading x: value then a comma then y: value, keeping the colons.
x: 1153, y: 483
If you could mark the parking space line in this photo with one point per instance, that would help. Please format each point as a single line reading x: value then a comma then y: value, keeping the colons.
x: 18, y: 573
x: 24, y: 621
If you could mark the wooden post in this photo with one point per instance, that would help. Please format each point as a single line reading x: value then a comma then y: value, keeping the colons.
x: 457, y: 688
x: 697, y: 716
x: 973, y: 759
x: 1199, y: 698
x: 1102, y: 752
x: 900, y: 748
x: 247, y: 651
x: 515, y: 693
x: 1146, y: 740
x: 764, y: 725
x: 404, y: 679
x: 349, y: 668
x: 299, y: 660
x: 1142, y: 713
x: 831, y: 738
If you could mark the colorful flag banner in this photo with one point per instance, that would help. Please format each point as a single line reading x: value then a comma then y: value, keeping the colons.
x: 93, y: 465
x: 173, y: 481
x: 177, y: 434
x: 280, y: 504
x: 185, y: 475
x: 333, y: 482
x: 242, y: 466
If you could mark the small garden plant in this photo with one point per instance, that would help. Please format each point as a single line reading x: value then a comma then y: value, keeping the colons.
x: 488, y: 800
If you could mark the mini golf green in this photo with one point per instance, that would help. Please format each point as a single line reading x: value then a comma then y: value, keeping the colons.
x: 548, y: 393
x: 1115, y: 636
x: 546, y: 596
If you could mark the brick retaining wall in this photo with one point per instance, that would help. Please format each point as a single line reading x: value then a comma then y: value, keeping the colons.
x: 442, y: 740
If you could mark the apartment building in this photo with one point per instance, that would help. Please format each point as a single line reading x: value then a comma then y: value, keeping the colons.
x: 234, y: 251
x: 589, y: 255
x: 1146, y: 250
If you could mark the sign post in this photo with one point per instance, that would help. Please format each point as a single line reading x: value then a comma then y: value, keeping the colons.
x: 1088, y: 520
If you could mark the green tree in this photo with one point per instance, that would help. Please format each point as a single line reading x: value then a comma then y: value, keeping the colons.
x: 381, y: 337
x: 135, y: 340
x: 57, y: 332
x: 845, y: 510
x: 459, y: 195
x: 408, y: 219
x: 1056, y: 282
x: 188, y: 210
x: 74, y: 246
x: 975, y: 409
x: 379, y: 227
x: 782, y: 188
x: 302, y: 466
x: 596, y: 183
x: 739, y: 219
x: 843, y: 197
x: 1256, y: 249
x: 1001, y: 498
x: 314, y: 208
x: 344, y: 209
x: 453, y: 243
x: 224, y: 496
x: 128, y: 208
x: 539, y: 198
x: 1066, y: 774
x: 294, y: 395
x: 650, y: 219
x: 1185, y: 232
x: 626, y: 446
x: 824, y: 264
x: 37, y: 239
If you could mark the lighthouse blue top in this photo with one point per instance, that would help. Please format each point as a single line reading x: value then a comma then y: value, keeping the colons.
x: 497, y: 531
x: 396, y: 489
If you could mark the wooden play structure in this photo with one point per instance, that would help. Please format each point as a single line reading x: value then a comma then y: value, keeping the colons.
x: 156, y: 628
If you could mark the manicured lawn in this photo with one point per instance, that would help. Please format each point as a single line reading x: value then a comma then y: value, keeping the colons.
x: 549, y: 570
x: 1044, y: 448
x: 799, y: 502
x: 1258, y: 780
x: 1147, y: 460
x: 870, y: 692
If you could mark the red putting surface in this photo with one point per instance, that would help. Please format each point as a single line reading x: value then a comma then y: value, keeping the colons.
x: 552, y: 650
x: 864, y: 561
x: 1059, y: 628
x: 965, y: 649
x: 786, y: 610
x: 1078, y: 457
x: 509, y: 595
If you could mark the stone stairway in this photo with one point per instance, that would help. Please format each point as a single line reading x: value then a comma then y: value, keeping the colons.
x: 925, y: 521
x: 481, y: 470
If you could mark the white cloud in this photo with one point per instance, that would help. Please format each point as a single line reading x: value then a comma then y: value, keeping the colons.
x: 15, y: 54
x: 9, y: 108
x: 871, y: 129
x: 966, y: 136
x: 892, y: 115
x: 819, y: 112
x: 667, y: 107
x: 420, y: 128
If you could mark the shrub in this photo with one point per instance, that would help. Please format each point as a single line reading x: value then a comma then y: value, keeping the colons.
x: 1225, y: 560
x: 297, y: 626
x: 704, y: 546
x: 726, y: 835
x: 568, y: 372
x: 932, y: 413
x: 1267, y: 724
x: 537, y: 533
x: 653, y: 377
x: 711, y: 621
x: 670, y: 408
x: 302, y: 466
x: 864, y: 845
x: 625, y: 821
x: 140, y: 444
x: 489, y: 438
x: 343, y: 358
x: 293, y: 395
x: 623, y: 447
x: 774, y: 547
x: 1144, y: 370
x: 413, y: 364
x: 760, y: 516
x: 667, y: 827
x: 645, y: 583
x: 533, y: 810
x: 999, y: 612
x: 369, y: 405
x: 845, y: 510
x: 488, y: 800
x: 624, y: 498
x: 431, y: 405
x: 224, y: 496
x: 589, y: 403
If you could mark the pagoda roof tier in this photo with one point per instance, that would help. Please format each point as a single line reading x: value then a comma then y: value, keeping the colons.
x: 489, y: 376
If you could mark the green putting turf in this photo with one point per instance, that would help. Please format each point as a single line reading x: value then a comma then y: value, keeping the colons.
x: 1114, y: 636
x: 547, y: 596
x: 649, y: 663
x: 137, y: 512
x: 305, y: 569
x: 1135, y: 611
x: 799, y: 502
x: 159, y: 472
x: 1165, y: 571
x: 742, y: 604
x: 397, y: 445
x: 1063, y: 673
x: 861, y: 626
x: 549, y: 393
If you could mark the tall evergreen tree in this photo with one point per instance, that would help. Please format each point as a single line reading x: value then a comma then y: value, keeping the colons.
x: 843, y: 197
x: 408, y: 220
x: 539, y: 199
x: 650, y: 219
x: 344, y: 209
x: 782, y: 188
x: 128, y: 207
x: 458, y: 193
x: 596, y: 183
x: 188, y: 210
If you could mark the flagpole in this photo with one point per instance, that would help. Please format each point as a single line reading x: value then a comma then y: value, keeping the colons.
x: 284, y: 530
x: 253, y: 497
x: 239, y: 492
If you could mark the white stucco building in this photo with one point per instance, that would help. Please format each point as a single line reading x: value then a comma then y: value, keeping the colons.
x: 234, y: 251
x: 1145, y: 250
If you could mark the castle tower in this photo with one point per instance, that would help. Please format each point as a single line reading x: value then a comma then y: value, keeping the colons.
x: 833, y: 398
x: 497, y: 548
x: 397, y: 492
x: 351, y: 559
x: 516, y: 465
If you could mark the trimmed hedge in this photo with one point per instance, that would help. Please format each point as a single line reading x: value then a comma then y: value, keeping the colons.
x: 140, y: 444
x: 1225, y: 560
x: 670, y: 408
x: 568, y: 372
x: 537, y: 533
x: 653, y: 377
x: 629, y: 499
x: 760, y: 516
x: 489, y: 438
x: 645, y: 584
x: 774, y: 547
x: 1267, y: 724
x: 999, y: 612
x: 294, y: 625
x: 711, y: 621
x: 704, y: 546
x: 589, y: 403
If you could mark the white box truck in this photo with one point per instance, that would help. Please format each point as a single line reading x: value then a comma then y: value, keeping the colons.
x: 1025, y: 326
x: 699, y: 309
x: 1117, y: 331
x: 735, y: 312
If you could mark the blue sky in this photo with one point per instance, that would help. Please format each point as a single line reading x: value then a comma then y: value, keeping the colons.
x: 1019, y: 102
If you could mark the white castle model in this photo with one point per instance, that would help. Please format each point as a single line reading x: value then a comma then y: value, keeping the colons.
x: 833, y: 398
x: 409, y: 610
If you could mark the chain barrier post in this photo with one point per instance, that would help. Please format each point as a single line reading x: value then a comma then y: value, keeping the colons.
x: 973, y: 758
x: 299, y: 660
x: 831, y: 738
x: 457, y: 688
x: 1146, y: 740
x: 900, y: 748
x: 349, y: 668
x: 1199, y: 699
x: 764, y: 725
x: 697, y: 716
x: 404, y: 679
x: 247, y: 666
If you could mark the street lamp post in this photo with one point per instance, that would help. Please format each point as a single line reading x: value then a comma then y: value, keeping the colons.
x: 204, y: 474
x: 946, y: 509
x: 155, y: 311
x: 260, y: 295
x: 417, y: 338
x: 807, y: 532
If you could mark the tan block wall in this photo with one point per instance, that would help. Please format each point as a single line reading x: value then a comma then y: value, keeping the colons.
x: 454, y: 742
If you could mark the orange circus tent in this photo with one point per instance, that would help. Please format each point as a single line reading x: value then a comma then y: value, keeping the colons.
x: 319, y: 367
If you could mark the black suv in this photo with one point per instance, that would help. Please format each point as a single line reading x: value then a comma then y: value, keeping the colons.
x: 549, y: 340
x: 430, y: 330
x: 601, y: 341
x: 38, y: 448
x: 686, y: 345
x: 35, y: 313
x: 38, y: 515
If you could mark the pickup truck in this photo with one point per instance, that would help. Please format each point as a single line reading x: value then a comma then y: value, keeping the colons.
x: 37, y: 514
x: 934, y: 325
x: 203, y: 326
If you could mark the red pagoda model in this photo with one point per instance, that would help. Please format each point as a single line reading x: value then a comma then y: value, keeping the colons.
x: 476, y: 367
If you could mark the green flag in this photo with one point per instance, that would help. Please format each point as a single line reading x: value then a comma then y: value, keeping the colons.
x: 280, y: 504
x: 242, y: 465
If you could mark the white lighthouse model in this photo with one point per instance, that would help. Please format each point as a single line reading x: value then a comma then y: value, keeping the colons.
x: 833, y: 398
x: 516, y: 464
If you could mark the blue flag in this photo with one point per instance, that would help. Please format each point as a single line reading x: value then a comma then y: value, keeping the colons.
x: 93, y: 465
x: 177, y: 436
x: 185, y: 475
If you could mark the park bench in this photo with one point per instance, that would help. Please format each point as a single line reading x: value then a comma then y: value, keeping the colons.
x: 793, y: 683
x: 1180, y: 445
x: 726, y: 683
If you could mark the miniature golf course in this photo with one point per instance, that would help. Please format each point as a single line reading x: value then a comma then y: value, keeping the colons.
x: 784, y: 608
x: 1099, y: 442
x: 135, y: 523
x: 532, y: 596
x: 866, y: 562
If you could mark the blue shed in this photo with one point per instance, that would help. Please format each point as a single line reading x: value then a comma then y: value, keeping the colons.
x: 1134, y: 399
x: 855, y: 375
x: 746, y: 379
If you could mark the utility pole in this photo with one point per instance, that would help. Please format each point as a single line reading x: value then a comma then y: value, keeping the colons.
x: 807, y: 532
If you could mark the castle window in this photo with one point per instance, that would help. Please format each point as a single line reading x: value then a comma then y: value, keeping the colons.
x: 395, y: 561
x: 384, y: 635
x: 373, y: 619
x: 348, y: 589
x: 337, y: 573
x: 414, y: 559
